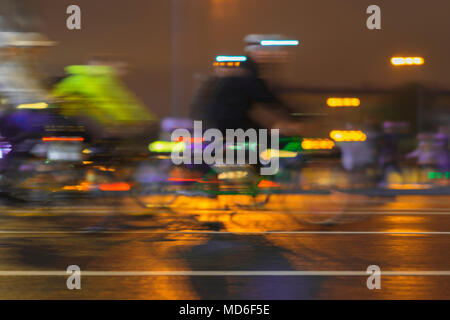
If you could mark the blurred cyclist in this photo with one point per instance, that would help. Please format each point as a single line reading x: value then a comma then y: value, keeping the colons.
x: 95, y: 94
x: 240, y: 97
x: 20, y: 80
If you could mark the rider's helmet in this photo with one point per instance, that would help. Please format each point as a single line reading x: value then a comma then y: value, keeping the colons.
x: 268, y: 49
x: 229, y: 65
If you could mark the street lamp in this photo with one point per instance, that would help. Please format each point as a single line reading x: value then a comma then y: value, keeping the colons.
x: 407, y: 61
x: 343, y: 102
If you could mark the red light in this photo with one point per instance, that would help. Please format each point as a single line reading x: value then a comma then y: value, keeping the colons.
x: 50, y: 139
x: 268, y: 184
x: 119, y: 186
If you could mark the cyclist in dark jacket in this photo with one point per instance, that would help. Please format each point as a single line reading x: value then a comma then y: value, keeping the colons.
x: 231, y: 99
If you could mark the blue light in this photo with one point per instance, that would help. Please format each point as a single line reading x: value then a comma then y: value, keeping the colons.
x: 231, y: 58
x: 279, y: 42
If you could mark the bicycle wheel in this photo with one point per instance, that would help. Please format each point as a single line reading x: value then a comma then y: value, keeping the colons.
x: 325, y: 209
x: 152, y: 187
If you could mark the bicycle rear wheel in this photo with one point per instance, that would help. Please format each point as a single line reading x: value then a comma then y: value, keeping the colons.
x: 152, y: 187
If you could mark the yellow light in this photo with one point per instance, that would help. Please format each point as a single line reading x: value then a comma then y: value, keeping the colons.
x: 419, y: 60
x: 41, y: 105
x: 317, y: 144
x: 349, y: 135
x: 232, y: 175
x: 272, y: 153
x: 84, y: 186
x: 409, y: 61
x: 226, y: 64
x: 343, y: 102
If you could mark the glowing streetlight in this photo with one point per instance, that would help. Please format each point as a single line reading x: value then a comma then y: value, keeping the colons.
x: 343, y: 102
x: 407, y: 61
x: 317, y: 144
x: 348, y: 135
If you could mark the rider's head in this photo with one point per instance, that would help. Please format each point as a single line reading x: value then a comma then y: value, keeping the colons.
x: 268, y: 48
x: 267, y: 52
x: 117, y: 63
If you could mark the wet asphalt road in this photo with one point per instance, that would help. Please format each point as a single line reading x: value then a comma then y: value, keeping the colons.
x: 406, y: 234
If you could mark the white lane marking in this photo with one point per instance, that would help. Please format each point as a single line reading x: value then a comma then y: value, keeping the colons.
x: 221, y: 273
x: 31, y: 232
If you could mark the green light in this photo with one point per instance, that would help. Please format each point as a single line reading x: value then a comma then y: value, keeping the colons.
x: 245, y: 146
x: 437, y: 175
x: 293, y: 146
x: 166, y: 146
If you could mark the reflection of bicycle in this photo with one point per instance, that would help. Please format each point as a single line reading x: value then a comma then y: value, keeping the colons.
x: 160, y: 183
x: 64, y: 168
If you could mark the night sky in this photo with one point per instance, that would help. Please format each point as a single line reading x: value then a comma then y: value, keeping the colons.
x: 336, y: 47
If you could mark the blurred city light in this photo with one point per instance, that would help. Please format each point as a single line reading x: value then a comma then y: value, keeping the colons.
x: 271, y: 153
x: 242, y: 146
x: 407, y: 61
x: 317, y: 144
x: 167, y: 146
x: 118, y: 186
x: 279, y: 43
x: 232, y: 175
x: 226, y: 64
x: 343, y: 102
x: 409, y: 186
x: 268, y: 184
x: 231, y: 58
x: 41, y: 105
x: 438, y: 175
x: 189, y: 140
x: 60, y: 139
x: 347, y: 135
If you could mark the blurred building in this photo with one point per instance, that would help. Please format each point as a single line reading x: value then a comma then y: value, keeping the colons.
x: 423, y: 109
x: 19, y: 16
